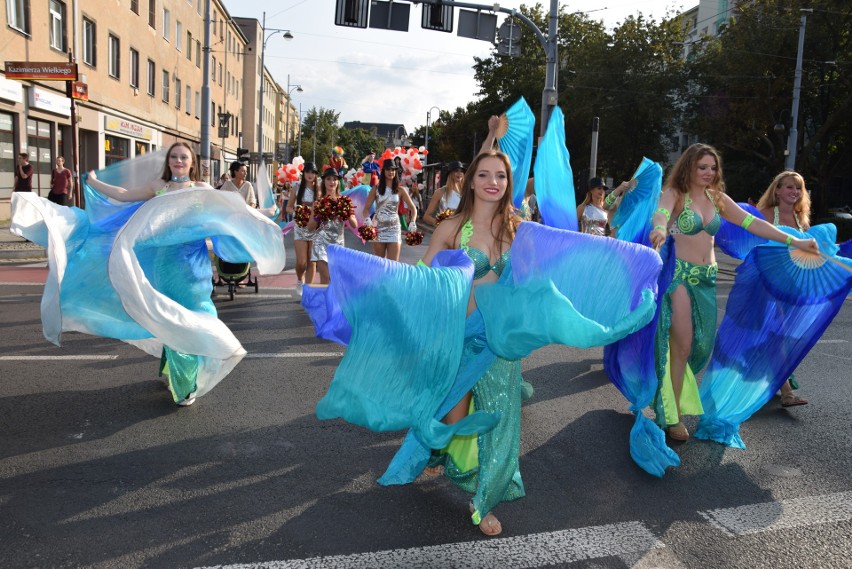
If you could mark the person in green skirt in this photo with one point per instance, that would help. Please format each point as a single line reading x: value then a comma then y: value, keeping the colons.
x: 691, y: 208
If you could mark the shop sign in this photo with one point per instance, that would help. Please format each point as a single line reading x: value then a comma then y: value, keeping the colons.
x: 11, y: 90
x: 47, y: 101
x: 45, y: 71
x: 127, y: 127
x: 79, y: 90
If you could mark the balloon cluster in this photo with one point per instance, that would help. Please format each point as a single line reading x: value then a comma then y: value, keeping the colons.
x: 368, y: 232
x: 442, y: 215
x: 291, y: 172
x: 409, y: 158
x: 302, y: 215
x: 414, y: 238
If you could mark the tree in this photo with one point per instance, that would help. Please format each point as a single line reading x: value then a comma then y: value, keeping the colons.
x: 319, y: 132
x: 356, y: 143
x: 743, y: 83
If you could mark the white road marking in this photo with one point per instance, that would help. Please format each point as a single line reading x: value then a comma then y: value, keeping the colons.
x: 785, y: 514
x: 298, y: 355
x: 832, y: 341
x: 54, y: 358
x: 536, y: 550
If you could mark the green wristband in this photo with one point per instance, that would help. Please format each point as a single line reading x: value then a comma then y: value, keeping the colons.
x: 660, y: 227
x: 789, y: 240
x: 665, y: 212
x: 747, y: 221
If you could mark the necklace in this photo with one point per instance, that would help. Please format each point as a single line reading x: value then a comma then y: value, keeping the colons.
x: 180, y: 178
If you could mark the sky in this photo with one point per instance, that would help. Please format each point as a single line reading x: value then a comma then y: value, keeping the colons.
x: 385, y: 76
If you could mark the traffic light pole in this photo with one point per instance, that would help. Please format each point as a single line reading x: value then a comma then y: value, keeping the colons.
x: 548, y: 43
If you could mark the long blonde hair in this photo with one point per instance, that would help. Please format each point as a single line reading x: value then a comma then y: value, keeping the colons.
x: 505, y: 211
x: 802, y: 207
x: 681, y: 173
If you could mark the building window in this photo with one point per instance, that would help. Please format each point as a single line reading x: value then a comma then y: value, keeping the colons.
x: 167, y: 23
x: 152, y: 79
x: 197, y: 103
x: 57, y: 25
x: 7, y: 153
x: 220, y: 75
x: 188, y: 99
x: 178, y: 92
x: 179, y: 36
x: 114, y: 55
x: 116, y: 149
x: 152, y: 13
x: 165, y: 86
x: 189, y: 45
x: 134, y: 68
x: 213, y: 70
x: 212, y: 113
x: 90, y: 54
x: 134, y: 6
x: 198, y: 54
x: 18, y: 15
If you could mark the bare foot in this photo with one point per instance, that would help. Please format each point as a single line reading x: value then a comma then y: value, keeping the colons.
x: 433, y: 471
x: 489, y: 525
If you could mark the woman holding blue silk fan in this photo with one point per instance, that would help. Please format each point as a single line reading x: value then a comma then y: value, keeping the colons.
x: 786, y: 202
x: 690, y: 210
x: 484, y: 227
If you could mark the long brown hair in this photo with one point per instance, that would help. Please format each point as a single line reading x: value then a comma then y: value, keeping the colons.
x: 193, y: 171
x: 505, y: 211
x: 802, y: 207
x: 681, y: 173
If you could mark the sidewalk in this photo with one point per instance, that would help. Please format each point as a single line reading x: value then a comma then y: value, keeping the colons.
x: 17, y: 249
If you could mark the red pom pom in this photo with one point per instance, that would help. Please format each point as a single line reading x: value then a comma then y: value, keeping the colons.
x: 302, y: 215
x: 443, y: 215
x: 414, y: 238
x: 368, y: 232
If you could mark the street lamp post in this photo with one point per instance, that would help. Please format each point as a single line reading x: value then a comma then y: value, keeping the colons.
x: 287, y: 36
x: 298, y: 89
x: 426, y: 138
x: 299, y: 151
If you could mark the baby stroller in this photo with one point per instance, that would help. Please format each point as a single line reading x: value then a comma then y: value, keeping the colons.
x: 233, y: 275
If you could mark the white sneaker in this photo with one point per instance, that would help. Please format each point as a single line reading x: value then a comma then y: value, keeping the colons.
x: 190, y: 399
x: 299, y: 285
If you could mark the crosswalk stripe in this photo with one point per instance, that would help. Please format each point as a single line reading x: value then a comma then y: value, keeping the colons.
x: 297, y: 355
x: 784, y: 514
x: 55, y: 358
x: 535, y: 550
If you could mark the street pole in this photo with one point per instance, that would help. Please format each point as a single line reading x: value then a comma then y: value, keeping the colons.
x: 287, y: 123
x: 262, y: 80
x: 300, y: 129
x: 426, y: 138
x: 205, y: 99
x: 790, y: 162
x: 593, y: 162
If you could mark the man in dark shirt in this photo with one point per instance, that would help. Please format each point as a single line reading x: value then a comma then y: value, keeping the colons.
x: 61, y: 184
x: 24, y: 174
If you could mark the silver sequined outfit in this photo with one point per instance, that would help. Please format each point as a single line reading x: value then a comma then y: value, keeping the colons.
x: 329, y: 233
x: 387, y: 217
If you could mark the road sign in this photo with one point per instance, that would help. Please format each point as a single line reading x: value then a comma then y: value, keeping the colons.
x: 389, y: 16
x: 477, y: 25
x: 510, y: 38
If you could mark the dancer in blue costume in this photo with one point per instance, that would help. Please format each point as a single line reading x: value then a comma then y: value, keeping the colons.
x: 179, y: 172
x: 484, y: 226
x: 786, y: 202
x: 152, y: 253
x: 690, y: 209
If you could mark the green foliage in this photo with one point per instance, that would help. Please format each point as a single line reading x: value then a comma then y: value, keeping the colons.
x: 357, y: 143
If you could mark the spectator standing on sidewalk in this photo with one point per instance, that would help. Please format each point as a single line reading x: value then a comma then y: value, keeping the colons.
x: 239, y: 184
x: 23, y: 173
x: 61, y: 184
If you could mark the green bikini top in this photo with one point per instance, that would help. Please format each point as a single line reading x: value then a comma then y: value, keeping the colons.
x: 481, y: 262
x: 690, y: 222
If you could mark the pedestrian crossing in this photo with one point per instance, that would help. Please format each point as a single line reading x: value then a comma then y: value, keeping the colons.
x: 625, y: 539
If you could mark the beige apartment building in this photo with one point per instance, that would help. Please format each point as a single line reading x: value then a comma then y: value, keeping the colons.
x: 141, y: 62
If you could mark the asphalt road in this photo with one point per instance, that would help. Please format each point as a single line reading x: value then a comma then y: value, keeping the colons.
x: 98, y: 468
